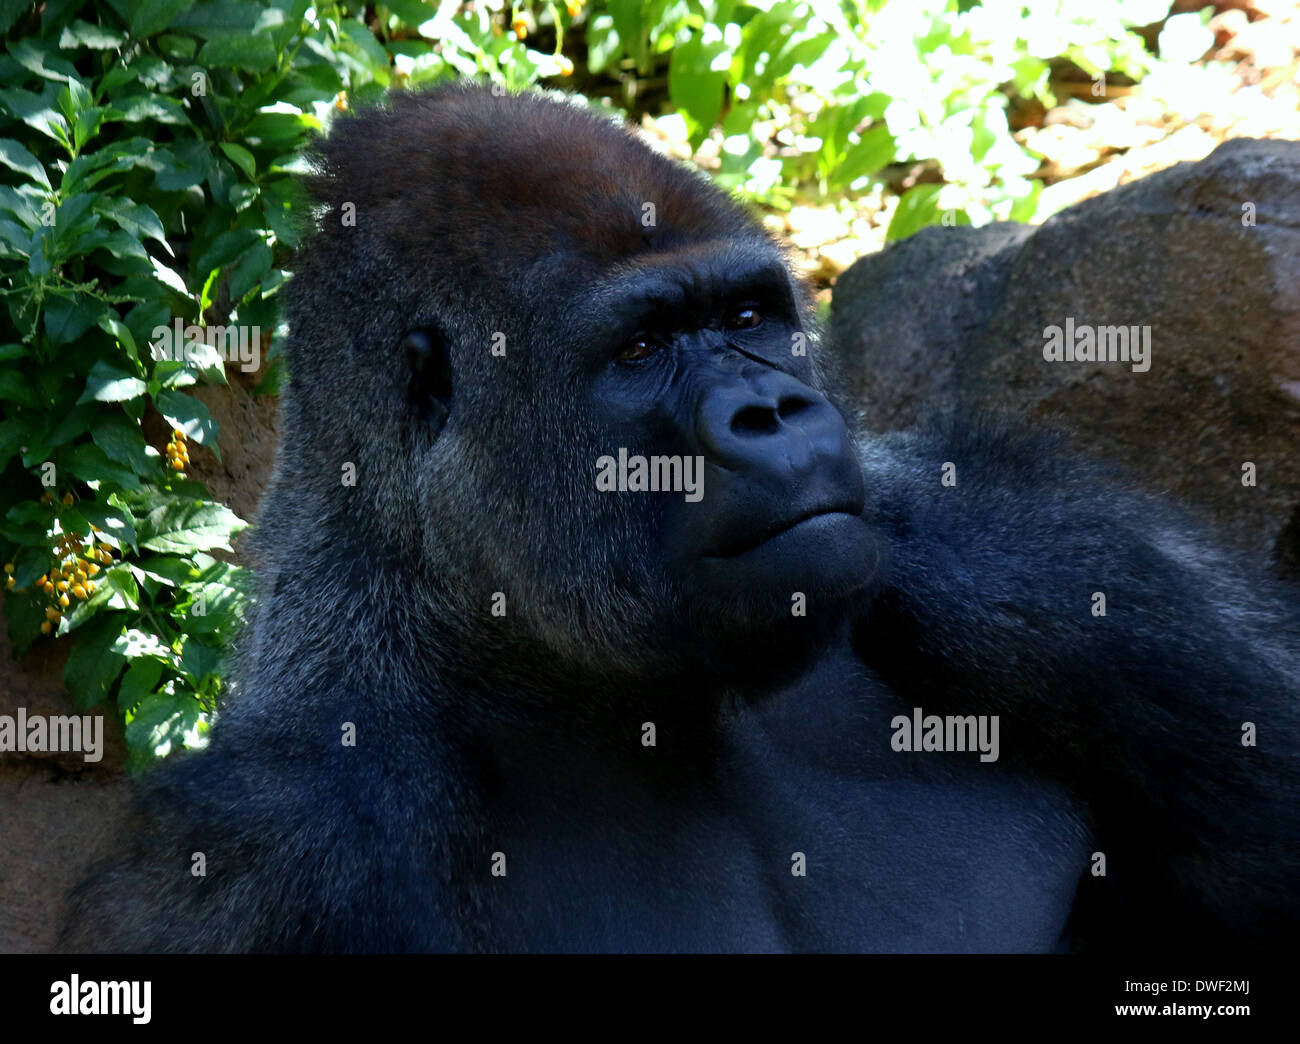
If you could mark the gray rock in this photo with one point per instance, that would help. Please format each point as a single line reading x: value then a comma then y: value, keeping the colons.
x: 955, y: 318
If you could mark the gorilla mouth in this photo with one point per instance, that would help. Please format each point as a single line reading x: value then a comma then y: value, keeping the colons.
x: 776, y: 529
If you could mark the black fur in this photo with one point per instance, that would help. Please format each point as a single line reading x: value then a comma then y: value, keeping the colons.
x: 521, y: 734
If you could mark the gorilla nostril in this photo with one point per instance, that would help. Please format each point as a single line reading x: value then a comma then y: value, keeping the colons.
x: 790, y: 405
x: 755, y: 420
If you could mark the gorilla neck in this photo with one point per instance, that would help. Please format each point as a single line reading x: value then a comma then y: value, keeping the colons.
x: 687, y: 668
x: 409, y: 637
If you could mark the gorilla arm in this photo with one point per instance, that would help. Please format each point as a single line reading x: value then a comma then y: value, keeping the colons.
x: 988, y: 603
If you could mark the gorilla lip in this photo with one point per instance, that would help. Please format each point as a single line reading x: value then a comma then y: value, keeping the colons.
x: 777, y: 528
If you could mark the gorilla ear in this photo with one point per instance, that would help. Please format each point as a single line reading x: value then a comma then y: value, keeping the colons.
x: 430, y: 364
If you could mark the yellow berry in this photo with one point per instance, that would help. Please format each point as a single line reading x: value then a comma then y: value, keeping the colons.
x: 62, y: 585
x: 9, y: 567
x: 520, y: 27
x: 106, y: 558
x: 64, y: 600
x: 91, y: 568
x: 67, y: 499
x: 79, y: 590
x: 52, y: 614
x: 9, y: 583
x: 90, y: 587
x: 178, y: 465
x: 46, y: 627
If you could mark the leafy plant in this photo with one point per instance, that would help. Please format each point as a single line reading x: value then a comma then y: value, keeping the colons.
x: 147, y: 152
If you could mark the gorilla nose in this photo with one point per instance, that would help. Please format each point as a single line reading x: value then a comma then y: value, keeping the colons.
x: 773, y: 422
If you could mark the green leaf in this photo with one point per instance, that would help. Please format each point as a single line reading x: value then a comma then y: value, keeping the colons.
x: 96, y: 37
x: 116, y: 523
x: 180, y: 528
x: 107, y: 383
x: 148, y: 17
x: 88, y: 170
x: 873, y: 152
x: 67, y: 427
x: 248, y: 271
x: 141, y: 679
x: 13, y: 433
x: 11, y: 236
x: 67, y: 318
x: 154, y: 108
x: 136, y: 644
x: 917, y: 208
x: 121, y: 439
x: 225, y: 249
x: 180, y: 166
x: 163, y: 721
x: 190, y: 416
x: 19, y: 203
x: 30, y: 563
x: 14, y: 387
x: 39, y: 112
x: 255, y: 54
x: 91, y: 464
x: 241, y: 158
x: 23, y: 614
x: 136, y: 218
x: 697, y: 75
x: 126, y: 592
x: 200, y: 661
x: 227, y: 18
x: 15, y: 157
x: 94, y: 665
x: 119, y: 331
x: 38, y: 59
x: 167, y: 570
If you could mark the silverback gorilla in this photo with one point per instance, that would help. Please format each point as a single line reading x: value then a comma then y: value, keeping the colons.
x: 506, y: 689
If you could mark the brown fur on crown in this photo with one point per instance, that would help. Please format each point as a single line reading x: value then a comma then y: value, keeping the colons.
x: 543, y: 177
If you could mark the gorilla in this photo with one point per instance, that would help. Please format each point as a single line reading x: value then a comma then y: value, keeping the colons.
x: 588, y: 621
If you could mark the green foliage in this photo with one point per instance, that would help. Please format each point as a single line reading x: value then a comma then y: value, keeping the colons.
x: 147, y: 152
x: 839, y: 91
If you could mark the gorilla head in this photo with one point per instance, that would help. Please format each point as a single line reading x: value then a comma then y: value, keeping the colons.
x: 525, y: 313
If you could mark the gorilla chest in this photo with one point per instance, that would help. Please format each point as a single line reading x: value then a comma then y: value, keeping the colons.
x: 810, y: 832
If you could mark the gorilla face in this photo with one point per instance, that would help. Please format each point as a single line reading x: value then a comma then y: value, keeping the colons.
x: 707, y: 361
x: 695, y: 361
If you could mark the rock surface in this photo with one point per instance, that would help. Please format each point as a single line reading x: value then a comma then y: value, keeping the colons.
x: 1203, y: 256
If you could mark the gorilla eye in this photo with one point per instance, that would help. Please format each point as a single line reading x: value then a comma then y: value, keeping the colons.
x: 637, y: 349
x: 744, y: 318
